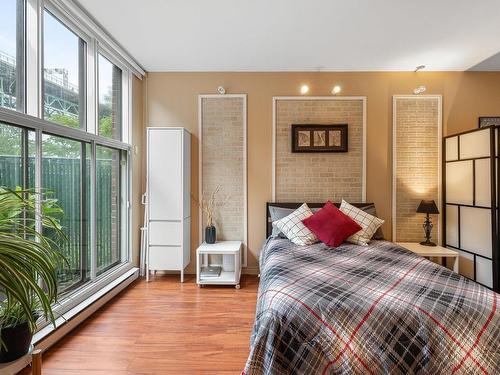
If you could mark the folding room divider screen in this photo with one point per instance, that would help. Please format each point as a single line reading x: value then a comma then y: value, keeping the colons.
x: 470, y: 196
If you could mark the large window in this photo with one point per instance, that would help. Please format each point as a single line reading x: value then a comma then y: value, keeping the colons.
x: 110, y: 99
x: 61, y: 127
x: 12, y: 54
x: 63, y: 74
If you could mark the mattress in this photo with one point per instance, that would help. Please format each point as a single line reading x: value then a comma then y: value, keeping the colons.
x: 369, y: 310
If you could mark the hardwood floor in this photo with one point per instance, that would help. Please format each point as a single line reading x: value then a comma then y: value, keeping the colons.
x: 163, y: 327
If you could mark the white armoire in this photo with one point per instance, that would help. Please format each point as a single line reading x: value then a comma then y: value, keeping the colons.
x: 168, y: 199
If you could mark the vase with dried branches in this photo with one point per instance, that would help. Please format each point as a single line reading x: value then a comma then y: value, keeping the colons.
x: 208, y: 206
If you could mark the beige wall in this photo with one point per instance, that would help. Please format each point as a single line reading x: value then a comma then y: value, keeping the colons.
x: 172, y: 98
x: 138, y: 181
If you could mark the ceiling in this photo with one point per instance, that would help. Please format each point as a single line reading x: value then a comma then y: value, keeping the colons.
x: 304, y: 35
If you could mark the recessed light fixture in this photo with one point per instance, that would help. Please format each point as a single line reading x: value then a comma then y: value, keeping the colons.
x: 420, y: 67
x: 221, y: 90
x: 304, y: 89
x: 336, y: 89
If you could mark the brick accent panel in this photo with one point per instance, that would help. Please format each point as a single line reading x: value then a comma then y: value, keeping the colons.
x: 417, y: 156
x: 317, y: 177
x: 223, y: 147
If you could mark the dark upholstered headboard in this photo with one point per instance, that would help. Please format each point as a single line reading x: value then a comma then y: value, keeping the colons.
x: 269, y: 224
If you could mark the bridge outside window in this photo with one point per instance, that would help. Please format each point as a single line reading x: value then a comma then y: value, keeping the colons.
x: 63, y: 74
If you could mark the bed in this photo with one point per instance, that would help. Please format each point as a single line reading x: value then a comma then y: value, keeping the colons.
x: 368, y: 310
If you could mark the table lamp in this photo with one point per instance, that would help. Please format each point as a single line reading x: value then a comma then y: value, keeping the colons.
x: 427, y: 207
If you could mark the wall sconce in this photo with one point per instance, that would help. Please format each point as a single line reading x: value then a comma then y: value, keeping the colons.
x: 304, y: 89
x: 336, y: 89
x: 221, y: 90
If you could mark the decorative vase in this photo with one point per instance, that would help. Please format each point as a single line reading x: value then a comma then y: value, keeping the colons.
x: 210, y: 234
x: 17, y: 339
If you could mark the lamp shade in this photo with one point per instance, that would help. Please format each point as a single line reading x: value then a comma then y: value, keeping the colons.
x: 427, y: 207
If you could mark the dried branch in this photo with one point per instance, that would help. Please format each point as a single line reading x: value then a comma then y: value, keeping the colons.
x: 208, y: 206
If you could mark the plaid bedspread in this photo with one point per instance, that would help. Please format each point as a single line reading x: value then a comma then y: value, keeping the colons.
x: 369, y: 310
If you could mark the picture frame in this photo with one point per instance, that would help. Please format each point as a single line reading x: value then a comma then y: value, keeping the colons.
x: 319, y: 138
x: 485, y: 121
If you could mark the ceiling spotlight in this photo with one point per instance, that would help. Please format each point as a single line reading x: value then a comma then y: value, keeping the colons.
x: 304, y: 89
x: 221, y: 90
x: 419, y: 90
x: 420, y: 67
x: 336, y: 89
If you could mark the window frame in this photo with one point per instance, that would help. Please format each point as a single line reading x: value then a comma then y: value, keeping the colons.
x: 101, y: 50
x: 20, y: 56
x: 126, y: 91
x: 97, y: 41
x: 83, y: 62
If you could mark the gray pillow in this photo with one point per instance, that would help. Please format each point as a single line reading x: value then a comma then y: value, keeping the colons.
x: 370, y: 209
x: 277, y: 213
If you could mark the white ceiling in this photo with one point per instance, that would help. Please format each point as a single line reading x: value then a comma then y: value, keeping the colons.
x: 303, y: 35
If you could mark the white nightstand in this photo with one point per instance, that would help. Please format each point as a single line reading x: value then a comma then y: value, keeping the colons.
x: 231, y: 271
x: 433, y: 251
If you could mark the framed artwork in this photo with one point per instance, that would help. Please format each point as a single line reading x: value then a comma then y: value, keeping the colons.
x: 319, y: 138
x: 489, y: 121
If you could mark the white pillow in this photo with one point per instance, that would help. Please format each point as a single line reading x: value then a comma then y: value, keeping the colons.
x: 291, y: 226
x: 367, y: 222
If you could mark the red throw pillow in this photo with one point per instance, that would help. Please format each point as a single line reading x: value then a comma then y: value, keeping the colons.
x: 331, y: 225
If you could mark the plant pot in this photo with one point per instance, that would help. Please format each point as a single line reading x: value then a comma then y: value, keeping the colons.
x: 17, y: 339
x: 210, y: 234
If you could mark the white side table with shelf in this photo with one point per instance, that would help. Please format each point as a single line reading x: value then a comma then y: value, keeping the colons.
x: 230, y: 273
x: 434, y: 251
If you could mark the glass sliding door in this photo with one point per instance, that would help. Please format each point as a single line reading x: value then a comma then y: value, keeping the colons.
x: 17, y: 157
x: 12, y: 54
x: 63, y: 74
x: 65, y: 177
x: 108, y: 208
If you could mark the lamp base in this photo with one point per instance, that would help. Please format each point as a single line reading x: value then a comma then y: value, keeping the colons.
x: 427, y: 243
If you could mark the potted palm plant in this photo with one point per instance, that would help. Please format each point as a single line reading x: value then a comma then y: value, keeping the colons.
x: 29, y: 258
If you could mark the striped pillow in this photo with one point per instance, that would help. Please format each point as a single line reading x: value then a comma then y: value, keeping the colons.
x: 368, y: 223
x: 291, y: 226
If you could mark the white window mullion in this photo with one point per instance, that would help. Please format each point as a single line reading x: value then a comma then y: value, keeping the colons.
x: 34, y: 29
x: 93, y: 208
x: 92, y: 92
x: 125, y: 216
x: 92, y: 127
x: 38, y: 179
x: 126, y: 106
